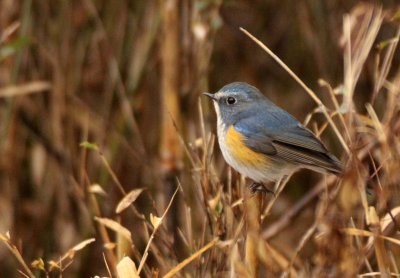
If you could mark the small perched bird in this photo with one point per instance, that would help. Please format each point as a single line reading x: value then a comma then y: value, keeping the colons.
x: 264, y: 142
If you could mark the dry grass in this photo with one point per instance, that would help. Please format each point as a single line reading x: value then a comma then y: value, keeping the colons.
x: 110, y: 164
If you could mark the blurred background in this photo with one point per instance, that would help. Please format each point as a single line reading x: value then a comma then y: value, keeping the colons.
x: 128, y: 77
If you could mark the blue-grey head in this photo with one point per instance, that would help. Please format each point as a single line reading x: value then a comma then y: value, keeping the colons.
x: 237, y: 101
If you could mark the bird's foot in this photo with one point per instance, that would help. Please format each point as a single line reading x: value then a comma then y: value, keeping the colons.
x: 257, y: 187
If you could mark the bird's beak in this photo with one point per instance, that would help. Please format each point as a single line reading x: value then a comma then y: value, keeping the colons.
x: 212, y: 96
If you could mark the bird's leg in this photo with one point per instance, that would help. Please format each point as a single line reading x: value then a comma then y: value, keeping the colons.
x: 258, y: 187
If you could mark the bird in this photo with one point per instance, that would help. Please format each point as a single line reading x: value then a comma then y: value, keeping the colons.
x: 264, y: 142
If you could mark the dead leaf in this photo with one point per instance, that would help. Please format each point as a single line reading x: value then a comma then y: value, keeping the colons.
x: 115, y: 226
x: 25, y: 89
x: 38, y: 264
x: 97, y: 189
x: 128, y: 200
x: 155, y: 221
x: 126, y: 268
x: 109, y: 245
x: 83, y: 244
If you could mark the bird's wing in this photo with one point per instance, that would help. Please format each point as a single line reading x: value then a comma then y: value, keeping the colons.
x: 299, y: 136
x: 289, y: 141
x: 300, y: 145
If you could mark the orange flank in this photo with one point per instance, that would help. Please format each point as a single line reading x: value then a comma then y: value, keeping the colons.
x: 240, y: 152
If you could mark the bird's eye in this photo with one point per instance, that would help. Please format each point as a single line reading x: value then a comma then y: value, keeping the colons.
x: 231, y: 100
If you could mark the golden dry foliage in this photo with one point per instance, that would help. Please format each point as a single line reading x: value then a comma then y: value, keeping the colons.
x: 109, y: 163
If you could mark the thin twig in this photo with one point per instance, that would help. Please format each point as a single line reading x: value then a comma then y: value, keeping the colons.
x: 187, y: 261
x: 304, y: 86
x: 284, y: 221
x: 145, y: 253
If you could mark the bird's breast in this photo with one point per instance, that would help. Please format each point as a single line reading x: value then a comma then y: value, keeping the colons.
x: 235, y: 144
x: 257, y: 166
